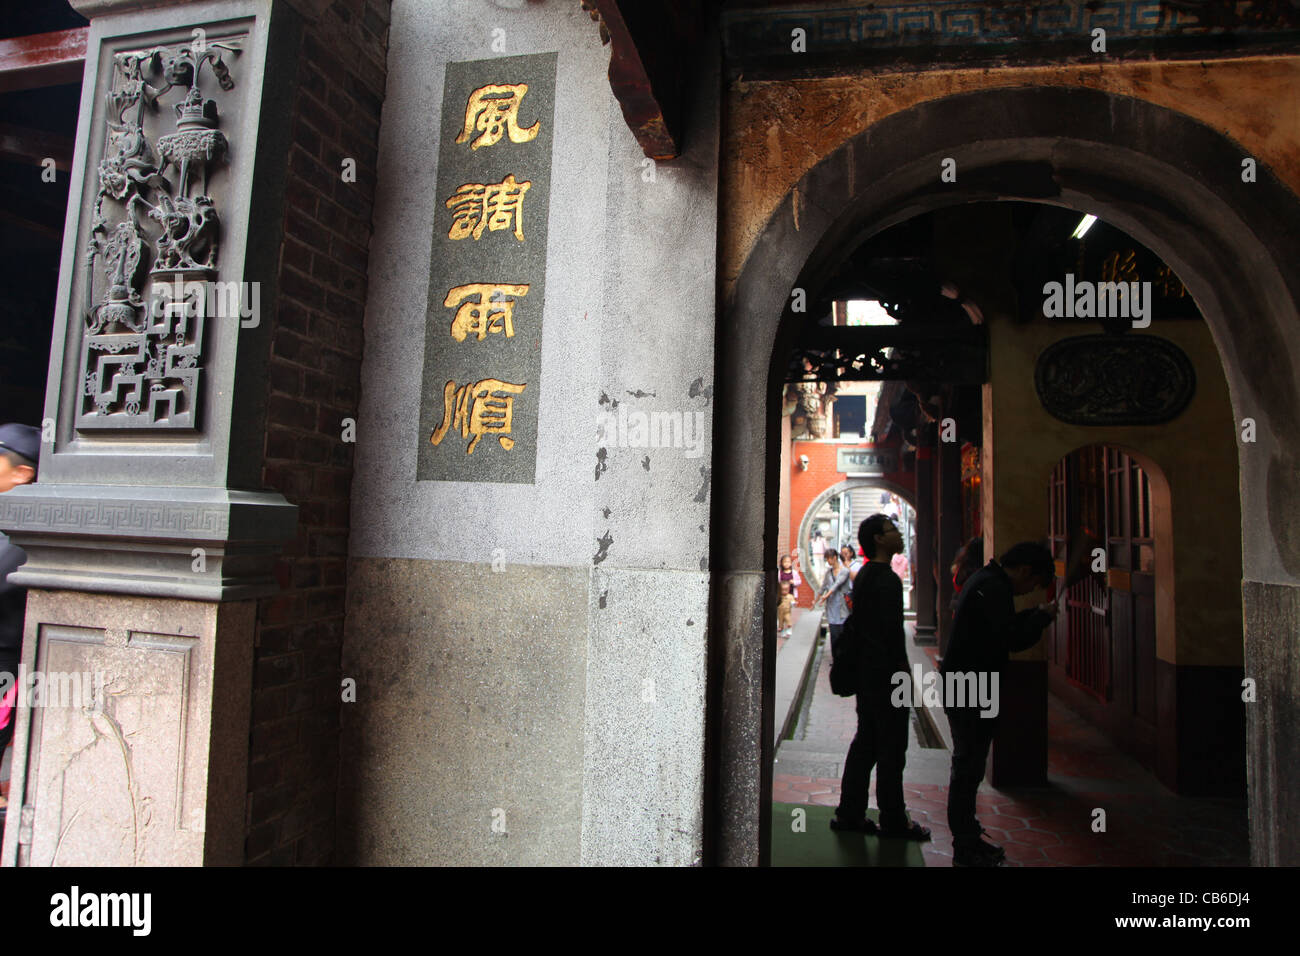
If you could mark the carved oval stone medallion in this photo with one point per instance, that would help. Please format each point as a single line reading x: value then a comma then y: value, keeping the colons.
x: 1114, y: 380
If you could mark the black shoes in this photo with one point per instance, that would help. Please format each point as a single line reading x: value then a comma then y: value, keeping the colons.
x: 865, y: 825
x: 914, y: 832
x: 974, y: 851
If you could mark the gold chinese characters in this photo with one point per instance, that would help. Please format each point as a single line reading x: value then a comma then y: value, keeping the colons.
x: 486, y: 406
x: 1120, y: 267
x: 482, y: 408
x: 494, y: 206
x: 479, y: 313
x: 493, y: 110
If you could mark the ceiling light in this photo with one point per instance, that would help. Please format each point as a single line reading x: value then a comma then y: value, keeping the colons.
x: 1084, y: 225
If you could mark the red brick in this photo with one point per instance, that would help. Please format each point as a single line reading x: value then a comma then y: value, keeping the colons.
x: 271, y: 640
x: 276, y: 735
x: 313, y: 383
x: 270, y: 703
x: 306, y: 138
x: 314, y: 449
x: 261, y: 840
x: 274, y: 671
x: 302, y: 288
x: 279, y: 444
x: 291, y: 412
x: 301, y: 224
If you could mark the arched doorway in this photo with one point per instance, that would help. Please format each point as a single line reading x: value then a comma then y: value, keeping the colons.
x: 847, y: 517
x: 1111, y: 531
x: 1170, y: 182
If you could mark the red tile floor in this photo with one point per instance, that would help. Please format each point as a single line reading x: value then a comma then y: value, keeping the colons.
x: 1146, y: 824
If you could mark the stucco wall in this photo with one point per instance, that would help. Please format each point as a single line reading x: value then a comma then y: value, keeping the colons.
x: 536, y: 648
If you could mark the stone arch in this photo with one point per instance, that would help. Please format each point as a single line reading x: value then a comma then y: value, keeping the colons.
x: 839, y: 488
x: 1169, y: 181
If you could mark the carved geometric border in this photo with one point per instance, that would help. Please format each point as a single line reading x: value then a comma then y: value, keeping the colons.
x: 89, y: 515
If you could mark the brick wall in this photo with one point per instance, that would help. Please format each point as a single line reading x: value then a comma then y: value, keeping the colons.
x: 314, y: 383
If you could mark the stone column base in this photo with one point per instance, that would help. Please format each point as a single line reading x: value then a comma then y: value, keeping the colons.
x: 131, y: 748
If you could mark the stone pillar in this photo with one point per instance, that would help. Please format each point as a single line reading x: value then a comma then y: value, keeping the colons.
x: 1014, y: 499
x: 949, y: 531
x: 148, y: 535
x: 926, y: 531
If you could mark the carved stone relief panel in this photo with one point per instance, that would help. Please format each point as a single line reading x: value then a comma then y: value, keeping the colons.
x: 154, y: 238
x: 115, y: 783
x: 1114, y: 380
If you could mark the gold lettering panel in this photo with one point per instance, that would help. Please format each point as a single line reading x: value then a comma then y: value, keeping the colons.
x: 487, y: 272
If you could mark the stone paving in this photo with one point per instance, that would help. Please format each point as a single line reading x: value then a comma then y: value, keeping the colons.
x: 1146, y: 824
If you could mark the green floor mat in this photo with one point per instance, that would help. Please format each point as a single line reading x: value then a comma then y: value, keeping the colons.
x: 802, y: 836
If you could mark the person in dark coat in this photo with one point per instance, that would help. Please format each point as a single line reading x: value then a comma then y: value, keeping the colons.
x: 881, y: 652
x: 986, y: 630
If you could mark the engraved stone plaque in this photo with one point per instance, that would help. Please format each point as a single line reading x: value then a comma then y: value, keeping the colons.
x: 483, y: 330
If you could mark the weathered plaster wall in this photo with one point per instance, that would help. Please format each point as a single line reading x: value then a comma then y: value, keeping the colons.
x: 777, y: 131
x: 562, y: 682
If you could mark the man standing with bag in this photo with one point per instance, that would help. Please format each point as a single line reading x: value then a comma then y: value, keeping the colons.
x: 875, y: 643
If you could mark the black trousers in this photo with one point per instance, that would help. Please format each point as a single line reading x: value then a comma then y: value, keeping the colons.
x: 836, y: 630
x: 880, y: 742
x: 971, y: 737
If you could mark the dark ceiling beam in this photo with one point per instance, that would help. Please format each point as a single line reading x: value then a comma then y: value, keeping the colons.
x: 34, y: 146
x: 652, y: 51
x: 42, y: 59
x: 39, y: 228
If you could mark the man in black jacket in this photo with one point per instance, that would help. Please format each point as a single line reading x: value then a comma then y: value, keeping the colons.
x: 986, y: 629
x: 876, y: 629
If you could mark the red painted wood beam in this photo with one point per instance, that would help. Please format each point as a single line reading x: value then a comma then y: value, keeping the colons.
x: 646, y: 59
x: 42, y: 59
